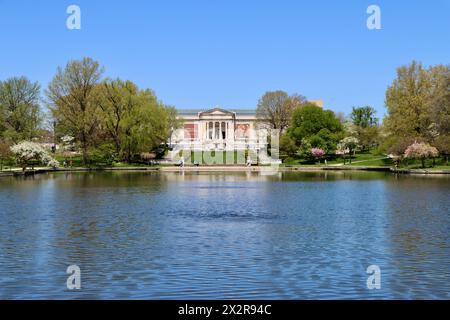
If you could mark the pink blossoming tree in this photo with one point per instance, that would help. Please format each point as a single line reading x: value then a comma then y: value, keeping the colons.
x: 317, y: 153
x: 421, y: 151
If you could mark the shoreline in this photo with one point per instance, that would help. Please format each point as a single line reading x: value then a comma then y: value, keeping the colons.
x: 229, y: 169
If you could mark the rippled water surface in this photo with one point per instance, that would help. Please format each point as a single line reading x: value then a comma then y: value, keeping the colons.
x: 209, y: 235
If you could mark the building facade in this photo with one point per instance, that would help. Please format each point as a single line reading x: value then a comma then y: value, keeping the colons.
x: 220, y: 130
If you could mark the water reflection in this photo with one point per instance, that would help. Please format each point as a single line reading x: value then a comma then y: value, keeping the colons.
x: 235, y: 235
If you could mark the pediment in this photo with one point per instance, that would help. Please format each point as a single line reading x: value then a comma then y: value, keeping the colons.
x: 216, y: 112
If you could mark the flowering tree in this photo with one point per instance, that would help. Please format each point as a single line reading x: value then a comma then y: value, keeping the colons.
x: 68, y: 142
x: 421, y: 151
x: 317, y: 153
x: 347, y: 146
x: 28, y: 151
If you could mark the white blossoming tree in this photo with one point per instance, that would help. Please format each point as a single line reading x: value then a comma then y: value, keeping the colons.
x: 68, y: 142
x: 347, y: 146
x: 28, y: 151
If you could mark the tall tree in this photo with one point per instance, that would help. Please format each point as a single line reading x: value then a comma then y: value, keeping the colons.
x: 134, y: 119
x: 72, y: 99
x: 275, y: 108
x: 439, y: 99
x: 407, y: 101
x: 20, y: 112
x: 365, y: 126
x: 364, y: 116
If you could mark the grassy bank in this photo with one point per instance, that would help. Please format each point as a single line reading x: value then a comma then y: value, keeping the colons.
x: 360, y: 161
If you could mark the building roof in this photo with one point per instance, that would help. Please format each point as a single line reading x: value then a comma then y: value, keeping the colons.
x: 194, y: 112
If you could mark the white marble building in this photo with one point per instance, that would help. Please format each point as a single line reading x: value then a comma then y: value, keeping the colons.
x: 219, y: 129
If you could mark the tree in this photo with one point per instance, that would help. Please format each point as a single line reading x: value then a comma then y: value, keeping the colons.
x: 320, y: 127
x: 348, y: 145
x: 275, y: 108
x: 418, y: 102
x: 364, y: 117
x: 317, y: 153
x: 5, y: 152
x: 439, y: 100
x: 118, y: 101
x: 73, y: 103
x: 442, y: 143
x: 134, y: 119
x: 288, y: 146
x: 364, y: 126
x: 20, y: 113
x: 407, y: 101
x: 399, y: 147
x: 421, y: 151
x: 28, y: 151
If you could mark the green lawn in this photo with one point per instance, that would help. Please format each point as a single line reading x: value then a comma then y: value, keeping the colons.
x: 364, y: 159
x: 369, y: 159
x: 359, y: 159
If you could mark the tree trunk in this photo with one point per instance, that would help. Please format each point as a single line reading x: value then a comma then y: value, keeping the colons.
x: 85, y: 149
x: 446, y: 160
x: 423, y: 162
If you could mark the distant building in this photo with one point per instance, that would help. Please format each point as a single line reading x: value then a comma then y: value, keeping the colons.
x: 318, y: 103
x: 221, y: 129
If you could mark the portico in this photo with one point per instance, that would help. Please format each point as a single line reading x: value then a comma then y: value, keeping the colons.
x: 219, y: 129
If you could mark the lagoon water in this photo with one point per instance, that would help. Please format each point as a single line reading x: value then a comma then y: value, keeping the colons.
x: 228, y: 236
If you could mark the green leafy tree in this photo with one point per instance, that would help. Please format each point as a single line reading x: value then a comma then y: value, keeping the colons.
x: 73, y: 102
x: 320, y: 127
x: 134, y: 119
x: 407, y: 101
x: 287, y: 146
x: 418, y: 102
x: 364, y: 117
x: 365, y: 126
x: 20, y: 113
x: 439, y: 100
x: 442, y: 143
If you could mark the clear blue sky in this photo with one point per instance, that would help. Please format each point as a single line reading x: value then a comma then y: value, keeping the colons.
x: 204, y: 53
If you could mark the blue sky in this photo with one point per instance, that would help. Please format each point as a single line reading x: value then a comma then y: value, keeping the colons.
x: 199, y: 54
